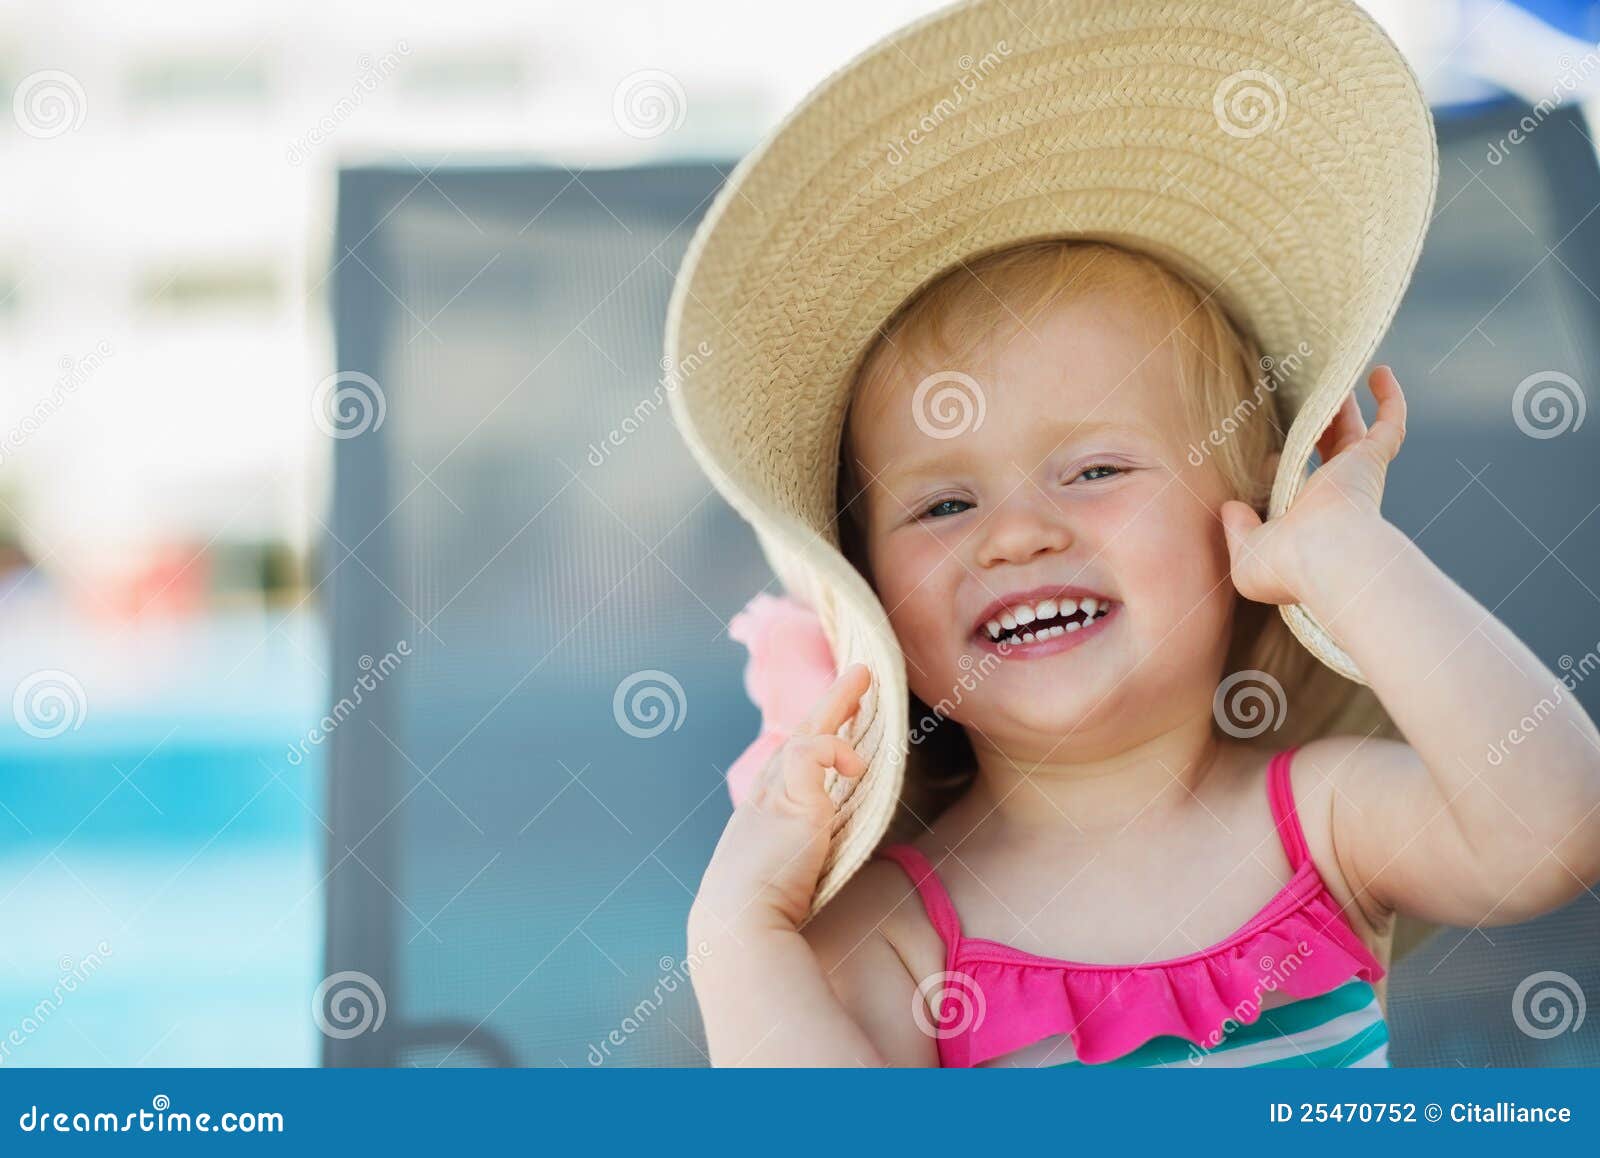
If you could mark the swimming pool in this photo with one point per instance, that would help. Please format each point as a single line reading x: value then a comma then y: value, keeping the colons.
x: 161, y: 856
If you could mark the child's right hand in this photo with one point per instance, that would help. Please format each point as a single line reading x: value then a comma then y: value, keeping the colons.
x: 765, y: 868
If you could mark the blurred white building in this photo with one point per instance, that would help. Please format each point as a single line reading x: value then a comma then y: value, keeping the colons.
x: 166, y: 218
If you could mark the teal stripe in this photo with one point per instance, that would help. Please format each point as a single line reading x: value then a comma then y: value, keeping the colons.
x: 1295, y: 1017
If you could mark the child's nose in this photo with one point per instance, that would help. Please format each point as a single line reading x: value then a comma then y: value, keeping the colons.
x: 1019, y: 530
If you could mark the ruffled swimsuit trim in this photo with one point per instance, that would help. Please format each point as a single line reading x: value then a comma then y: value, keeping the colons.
x: 1002, y: 998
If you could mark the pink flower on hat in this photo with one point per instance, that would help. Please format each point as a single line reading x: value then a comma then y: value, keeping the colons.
x: 791, y: 664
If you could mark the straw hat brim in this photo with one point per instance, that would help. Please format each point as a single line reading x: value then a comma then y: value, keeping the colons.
x: 1278, y: 152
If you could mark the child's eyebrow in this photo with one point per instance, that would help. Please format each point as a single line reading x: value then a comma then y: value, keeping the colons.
x: 940, y: 457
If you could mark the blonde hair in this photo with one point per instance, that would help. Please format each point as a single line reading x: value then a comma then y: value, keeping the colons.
x: 1218, y: 367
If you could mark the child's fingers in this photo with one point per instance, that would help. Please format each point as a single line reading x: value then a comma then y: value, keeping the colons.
x: 1389, y: 427
x: 1346, y: 429
x: 806, y: 758
x: 839, y: 702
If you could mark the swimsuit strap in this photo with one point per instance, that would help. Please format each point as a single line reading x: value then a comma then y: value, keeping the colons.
x: 1281, y: 796
x: 941, y: 910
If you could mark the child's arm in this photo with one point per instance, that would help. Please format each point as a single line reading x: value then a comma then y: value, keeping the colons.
x: 765, y: 996
x: 836, y: 993
x: 1482, y: 818
x: 765, y: 1001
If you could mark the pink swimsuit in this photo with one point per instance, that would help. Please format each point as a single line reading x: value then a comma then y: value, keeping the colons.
x: 1291, y: 987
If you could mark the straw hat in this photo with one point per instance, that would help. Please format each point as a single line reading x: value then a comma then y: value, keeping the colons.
x: 1279, y: 152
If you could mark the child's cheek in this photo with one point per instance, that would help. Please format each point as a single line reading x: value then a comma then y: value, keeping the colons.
x: 915, y: 595
x: 917, y: 584
x: 1170, y: 556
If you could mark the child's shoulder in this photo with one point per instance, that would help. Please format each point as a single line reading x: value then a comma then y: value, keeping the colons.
x: 1335, y: 782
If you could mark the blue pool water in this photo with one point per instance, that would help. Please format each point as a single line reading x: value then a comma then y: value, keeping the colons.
x: 160, y: 860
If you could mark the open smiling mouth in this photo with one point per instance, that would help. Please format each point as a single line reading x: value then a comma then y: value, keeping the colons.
x: 1047, y: 626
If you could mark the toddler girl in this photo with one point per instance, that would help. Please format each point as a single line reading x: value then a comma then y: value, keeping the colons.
x: 1123, y: 876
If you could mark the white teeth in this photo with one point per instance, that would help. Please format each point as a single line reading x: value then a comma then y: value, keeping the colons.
x: 1016, y: 618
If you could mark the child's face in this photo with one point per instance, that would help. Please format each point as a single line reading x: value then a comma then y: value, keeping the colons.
x: 956, y: 523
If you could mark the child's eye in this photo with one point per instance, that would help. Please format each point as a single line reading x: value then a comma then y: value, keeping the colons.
x: 929, y: 513
x: 1090, y: 471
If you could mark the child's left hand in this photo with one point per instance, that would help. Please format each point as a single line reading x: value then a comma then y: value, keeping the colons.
x: 1269, y: 559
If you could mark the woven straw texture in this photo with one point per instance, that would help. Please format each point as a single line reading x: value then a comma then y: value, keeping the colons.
x: 1279, y: 152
